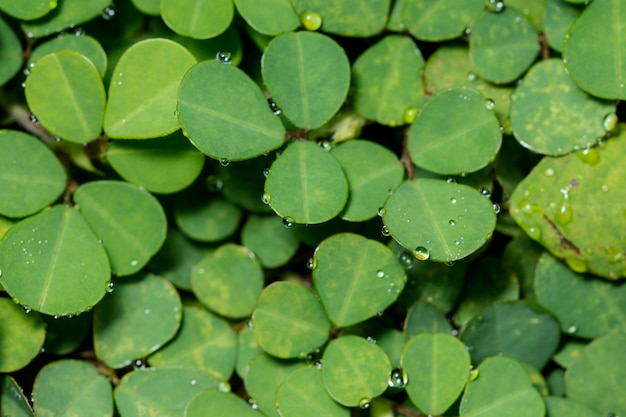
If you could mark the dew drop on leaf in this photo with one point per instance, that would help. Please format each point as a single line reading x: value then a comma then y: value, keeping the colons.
x: 571, y: 329
x: 421, y: 253
x: 610, y: 122
x: 193, y: 382
x: 224, y: 162
x: 133, y: 262
x: 364, y: 403
x: 265, y: 198
x: 452, y: 223
x: 110, y: 286
x: 310, y: 20
x: 385, y: 231
x: 311, y: 263
x: 490, y: 104
x: 398, y: 378
x: 409, y: 114
x: 288, y: 221
x: 224, y: 57
x: 108, y: 13
x: 33, y: 119
x: 380, y: 273
x: 406, y: 260
x: 274, y: 107
x: 371, y: 340
x: 473, y: 374
x: 549, y: 172
x: 381, y: 211
x: 589, y: 155
x: 496, y: 208
x: 485, y: 192
x: 26, y: 309
x: 453, y: 200
x: 267, y: 172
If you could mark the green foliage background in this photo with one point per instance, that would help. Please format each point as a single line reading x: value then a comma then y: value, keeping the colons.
x: 312, y: 208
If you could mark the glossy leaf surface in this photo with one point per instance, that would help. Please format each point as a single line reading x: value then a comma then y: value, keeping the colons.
x: 67, y: 14
x: 271, y: 17
x: 40, y: 269
x: 23, y: 336
x: 85, y: 45
x: 27, y: 9
x: 308, y: 91
x: 231, y: 124
x: 440, y: 20
x: 197, y: 18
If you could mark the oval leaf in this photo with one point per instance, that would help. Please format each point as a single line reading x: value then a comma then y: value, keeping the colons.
x: 272, y: 17
x: 27, y: 9
x: 440, y: 20
x: 212, y: 402
x: 85, y: 45
x: 14, y: 402
x: 269, y: 240
x: 66, y: 14
x: 11, y: 51
x: 197, y: 18
x: 22, y: 336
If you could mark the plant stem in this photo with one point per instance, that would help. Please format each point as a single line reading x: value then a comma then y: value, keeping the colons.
x: 406, y: 156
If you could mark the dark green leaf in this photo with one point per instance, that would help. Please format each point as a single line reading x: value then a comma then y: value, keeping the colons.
x: 212, y: 402
x: 557, y: 19
x: 10, y: 50
x: 204, y: 219
x: 22, y: 336
x: 66, y: 14
x: 565, y: 407
x: 27, y: 9
x: 269, y: 240
x: 440, y: 20
x: 425, y: 318
x: 14, y: 402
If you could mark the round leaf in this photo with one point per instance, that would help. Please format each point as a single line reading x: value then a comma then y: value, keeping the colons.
x: 355, y: 277
x: 502, y: 388
x: 503, y: 45
x: 438, y: 220
x: 85, y: 45
x: 437, y: 367
x: 163, y: 165
x: 31, y: 177
x: 151, y: 7
x: 557, y: 19
x: 65, y: 92
x: 52, y: 262
x: 27, y: 9
x: 355, y: 371
x: 306, y: 184
x: 197, y: 18
x: 14, y: 402
x: 231, y: 123
x: 518, y: 329
x: 303, y: 395
x: 247, y: 350
x: 565, y: 407
x: 242, y: 182
x: 288, y: 321
x: 387, y: 80
x: 299, y: 79
x: 72, y: 387
x: 66, y: 14
x: 269, y: 240
x: 129, y: 221
x: 206, y: 220
x: 11, y: 51
x: 212, y: 402
x: 597, y: 67
x: 592, y: 307
x: 440, y: 20
x: 371, y: 170
x: 143, y: 89
x: 144, y: 312
x: 456, y: 132
x: 66, y: 334
x: 271, y: 17
x: 597, y: 377
x: 425, y: 318
x: 22, y: 336
x: 209, y: 337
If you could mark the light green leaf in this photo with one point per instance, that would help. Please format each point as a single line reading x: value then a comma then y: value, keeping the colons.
x: 440, y: 20
x: 271, y: 17
x: 22, y: 336
x: 269, y: 240
x: 52, y: 262
x: 557, y: 19
x: 129, y: 221
x: 14, y: 402
x: 387, y: 80
x: 205, y: 219
x: 143, y: 89
x: 65, y: 92
x: 151, y: 7
x: 288, y: 321
x: 72, y: 387
x: 456, y: 132
x: 438, y: 220
x: 307, y: 90
x: 10, y: 50
x: 533, y: 10
x: 27, y: 9
x: 197, y: 18
x: 66, y: 14
x: 355, y: 277
x: 141, y: 314
x: 31, y: 177
x: 569, y: 352
x: 85, y: 45
x: 212, y: 402
x: 437, y: 366
x: 231, y: 123
x: 598, y: 67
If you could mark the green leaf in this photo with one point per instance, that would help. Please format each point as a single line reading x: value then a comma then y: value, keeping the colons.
x: 306, y: 184
x: 65, y: 92
x: 521, y: 255
x: 533, y: 10
x: 425, y: 318
x: 10, y: 50
x: 151, y: 7
x: 455, y: 132
x: 85, y: 45
x: 129, y: 221
x: 271, y: 17
x: 14, y: 402
x: 288, y: 321
x: 592, y: 307
x: 557, y: 19
x: 72, y: 387
x: 52, y: 262
x: 22, y: 336
x: 66, y: 14
x: 395, y: 22
x: 295, y: 71
x: 31, y: 177
x: 552, y: 205
x: 209, y: 337
x: 547, y: 97
x: 242, y: 182
x: 27, y: 9
x: 442, y: 20
x: 303, y: 395
x: 437, y: 366
x: 212, y: 402
x: 263, y: 378
x: 387, y: 80
x: 197, y: 18
x: 502, y: 388
x: 565, y: 407
x: 247, y: 350
x: 355, y: 277
x: 596, y: 379
x: 228, y: 281
x: 352, y: 18
x: 267, y: 237
x: 143, y: 89
x: 503, y: 45
x: 162, y: 165
x: 144, y: 312
x: 354, y: 370
x: 438, y: 220
x: 569, y: 352
x: 160, y: 391
x: 205, y: 219
x: 597, y: 67
x: 231, y: 123
x: 518, y: 329
x: 65, y: 334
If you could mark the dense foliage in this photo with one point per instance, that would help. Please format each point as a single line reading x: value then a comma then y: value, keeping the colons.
x: 312, y: 208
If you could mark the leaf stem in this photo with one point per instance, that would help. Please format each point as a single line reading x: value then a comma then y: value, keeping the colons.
x: 406, y: 155
x: 545, y: 48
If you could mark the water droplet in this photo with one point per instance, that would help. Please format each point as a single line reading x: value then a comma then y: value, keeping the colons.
x: 214, y: 184
x: 224, y: 162
x: 451, y: 180
x: 380, y: 274
x: 385, y: 231
x: 79, y: 32
x: 326, y: 145
x: 318, y: 364
x: 288, y: 221
x: 26, y: 309
x: 310, y: 20
x: 571, y: 329
x: 615, y: 254
x: 564, y: 215
x: 108, y: 13
x: 364, y: 403
x: 495, y: 6
x: 139, y: 363
x: 0, y: 272
x: 193, y: 382
x: 224, y: 57
x: 473, y: 374
x: 110, y: 286
x: 146, y: 311
x: 610, y: 122
x: 265, y: 198
x: 604, y: 188
x: 56, y: 316
x: 406, y: 260
x: 381, y: 211
x: 311, y: 263
x: 496, y: 208
x: 490, y: 104
x: 452, y: 223
x: 398, y: 378
x: 252, y: 403
x: 485, y: 192
x: 471, y: 76
x: 371, y: 339
x: 589, y: 155
x: 274, y: 107
x: 410, y: 113
x: 57, y: 139
x: 267, y: 172
x: 453, y: 200
x: 549, y: 172
x: 133, y: 262
x: 421, y: 253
